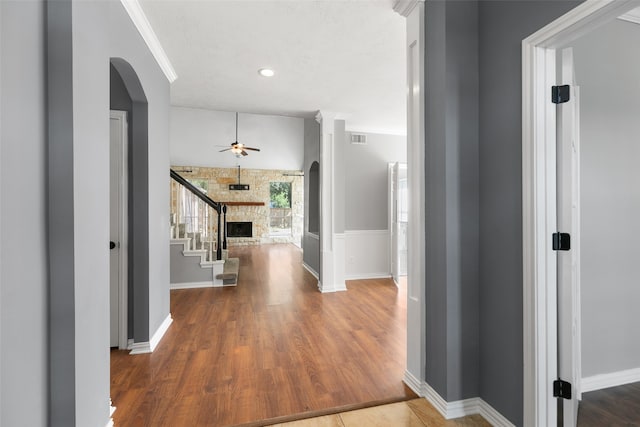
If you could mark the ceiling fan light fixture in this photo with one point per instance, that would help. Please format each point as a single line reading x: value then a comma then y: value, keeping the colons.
x: 266, y: 72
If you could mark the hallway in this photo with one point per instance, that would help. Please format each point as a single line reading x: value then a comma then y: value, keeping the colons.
x: 271, y: 348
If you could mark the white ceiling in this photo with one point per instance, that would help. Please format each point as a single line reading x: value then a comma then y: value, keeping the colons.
x: 341, y: 56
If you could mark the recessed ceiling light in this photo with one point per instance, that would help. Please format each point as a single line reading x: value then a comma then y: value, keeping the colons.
x: 266, y: 72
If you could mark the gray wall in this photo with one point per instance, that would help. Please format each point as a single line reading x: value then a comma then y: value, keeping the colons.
x: 366, y: 176
x: 23, y: 230
x: 127, y: 43
x: 71, y: 265
x: 474, y: 196
x: 451, y: 92
x: 503, y: 26
x: 186, y: 269
x: 610, y: 196
x: 310, y: 244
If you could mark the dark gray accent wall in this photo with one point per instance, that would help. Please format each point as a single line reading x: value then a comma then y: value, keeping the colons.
x: 310, y: 244
x: 503, y: 26
x: 62, y: 328
x: 452, y: 285
x: 366, y: 179
x: 23, y: 221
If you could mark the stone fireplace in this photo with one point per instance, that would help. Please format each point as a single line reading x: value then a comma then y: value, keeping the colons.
x: 251, y: 206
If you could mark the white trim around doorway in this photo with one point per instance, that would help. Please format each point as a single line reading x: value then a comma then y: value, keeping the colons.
x: 123, y: 229
x: 539, y: 200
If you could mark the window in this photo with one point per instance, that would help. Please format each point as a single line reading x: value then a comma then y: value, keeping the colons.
x: 192, y: 212
x: 280, y: 209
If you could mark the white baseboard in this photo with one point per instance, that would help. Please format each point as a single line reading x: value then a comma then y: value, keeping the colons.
x: 162, y: 329
x: 311, y: 270
x: 366, y: 276
x: 329, y: 289
x: 413, y: 383
x: 193, y: 285
x: 112, y: 409
x: 149, y: 346
x: 435, y: 399
x: 139, y: 348
x: 458, y: 408
x: 613, y: 379
x: 494, y: 417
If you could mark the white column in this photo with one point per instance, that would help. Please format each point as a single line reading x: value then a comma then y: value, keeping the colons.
x: 332, y: 252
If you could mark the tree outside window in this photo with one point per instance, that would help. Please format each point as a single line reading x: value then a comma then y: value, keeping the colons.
x: 280, y: 209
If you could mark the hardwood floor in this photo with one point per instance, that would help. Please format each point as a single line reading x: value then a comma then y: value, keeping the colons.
x: 412, y: 413
x: 615, y: 406
x: 267, y: 349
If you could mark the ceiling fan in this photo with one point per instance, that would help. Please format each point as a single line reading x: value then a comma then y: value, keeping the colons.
x: 238, y: 148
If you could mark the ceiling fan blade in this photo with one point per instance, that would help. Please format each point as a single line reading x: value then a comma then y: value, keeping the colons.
x: 251, y: 148
x: 226, y: 149
x: 244, y: 153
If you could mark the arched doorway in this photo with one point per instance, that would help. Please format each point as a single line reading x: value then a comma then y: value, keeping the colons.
x: 127, y: 94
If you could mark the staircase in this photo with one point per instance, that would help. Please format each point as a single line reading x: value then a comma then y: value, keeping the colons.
x: 198, y: 253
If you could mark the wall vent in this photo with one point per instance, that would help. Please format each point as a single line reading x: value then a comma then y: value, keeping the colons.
x: 358, y: 138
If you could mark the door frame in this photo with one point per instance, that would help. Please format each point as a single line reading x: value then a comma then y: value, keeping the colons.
x: 123, y: 235
x: 539, y: 200
x: 391, y: 194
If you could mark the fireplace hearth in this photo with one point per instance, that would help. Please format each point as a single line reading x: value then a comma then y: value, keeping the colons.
x: 239, y: 229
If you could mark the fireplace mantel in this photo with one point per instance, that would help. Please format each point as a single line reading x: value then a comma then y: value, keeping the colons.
x: 243, y: 203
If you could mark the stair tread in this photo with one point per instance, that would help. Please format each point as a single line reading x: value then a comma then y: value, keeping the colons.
x: 229, y: 275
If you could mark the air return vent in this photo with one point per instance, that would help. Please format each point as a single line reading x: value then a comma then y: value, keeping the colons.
x: 358, y: 138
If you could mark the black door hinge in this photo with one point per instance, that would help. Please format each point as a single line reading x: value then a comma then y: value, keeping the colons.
x: 562, y: 389
x: 561, y: 241
x: 560, y: 94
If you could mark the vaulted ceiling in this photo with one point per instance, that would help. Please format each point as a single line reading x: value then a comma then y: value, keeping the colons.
x: 342, y: 56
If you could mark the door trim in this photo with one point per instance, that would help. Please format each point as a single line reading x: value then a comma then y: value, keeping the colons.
x: 539, y: 200
x: 416, y: 243
x: 123, y: 235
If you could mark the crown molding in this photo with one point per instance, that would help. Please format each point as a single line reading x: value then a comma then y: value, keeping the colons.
x: 141, y: 22
x: 631, y: 16
x: 404, y: 7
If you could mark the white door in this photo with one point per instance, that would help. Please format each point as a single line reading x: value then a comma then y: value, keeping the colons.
x: 393, y: 200
x: 568, y: 173
x: 117, y: 228
x: 402, y: 215
x: 398, y: 218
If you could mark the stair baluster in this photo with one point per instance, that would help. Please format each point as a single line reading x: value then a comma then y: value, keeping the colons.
x: 224, y: 241
x: 218, y: 246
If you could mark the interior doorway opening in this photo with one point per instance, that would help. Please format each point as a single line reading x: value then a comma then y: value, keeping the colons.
x: 552, y: 348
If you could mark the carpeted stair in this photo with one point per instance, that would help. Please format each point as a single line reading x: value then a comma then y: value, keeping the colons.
x: 229, y: 275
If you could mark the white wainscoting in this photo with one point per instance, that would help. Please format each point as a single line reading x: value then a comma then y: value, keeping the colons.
x: 367, y: 254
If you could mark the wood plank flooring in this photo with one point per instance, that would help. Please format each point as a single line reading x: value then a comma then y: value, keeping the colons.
x: 413, y: 413
x: 615, y: 406
x: 270, y: 348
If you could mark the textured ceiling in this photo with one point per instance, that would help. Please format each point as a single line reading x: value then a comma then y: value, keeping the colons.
x: 342, y: 56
